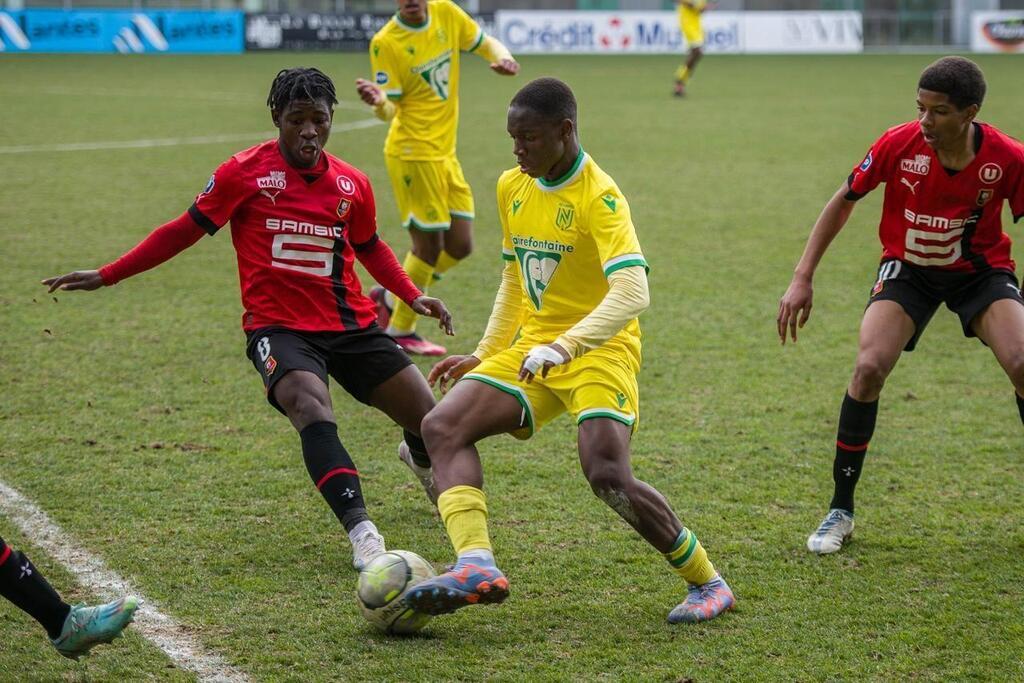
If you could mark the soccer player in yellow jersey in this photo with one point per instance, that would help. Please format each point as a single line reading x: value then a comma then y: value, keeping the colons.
x: 415, y: 62
x: 693, y: 32
x: 573, y: 284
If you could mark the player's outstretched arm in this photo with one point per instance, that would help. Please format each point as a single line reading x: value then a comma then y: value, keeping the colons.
x: 497, y: 55
x: 160, y: 245
x: 795, y: 304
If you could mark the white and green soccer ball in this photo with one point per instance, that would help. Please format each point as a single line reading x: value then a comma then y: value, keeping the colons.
x: 383, y: 585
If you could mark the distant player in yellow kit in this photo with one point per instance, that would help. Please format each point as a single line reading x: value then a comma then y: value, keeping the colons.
x: 693, y: 32
x: 415, y: 61
x: 573, y: 284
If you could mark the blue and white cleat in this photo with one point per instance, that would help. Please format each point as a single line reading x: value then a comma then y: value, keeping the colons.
x: 835, y: 530
x: 89, y: 626
x: 704, y: 602
x: 464, y: 584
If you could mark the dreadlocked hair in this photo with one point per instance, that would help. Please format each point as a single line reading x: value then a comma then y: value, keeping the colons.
x: 301, y: 83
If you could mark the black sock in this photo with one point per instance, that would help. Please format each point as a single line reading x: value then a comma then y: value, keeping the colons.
x: 856, y: 425
x: 1020, y: 405
x: 22, y: 584
x: 333, y: 472
x: 417, y: 449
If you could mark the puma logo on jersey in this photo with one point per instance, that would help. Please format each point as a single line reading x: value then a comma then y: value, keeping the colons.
x: 272, y: 196
x: 912, y: 186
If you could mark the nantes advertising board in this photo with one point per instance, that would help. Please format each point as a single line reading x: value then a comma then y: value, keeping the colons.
x: 44, y: 30
x: 658, y: 32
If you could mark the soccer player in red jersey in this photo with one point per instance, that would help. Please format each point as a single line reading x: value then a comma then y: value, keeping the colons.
x: 946, y: 176
x: 299, y: 217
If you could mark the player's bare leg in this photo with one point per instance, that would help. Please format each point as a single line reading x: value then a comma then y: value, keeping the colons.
x: 1001, y: 326
x: 604, y: 455
x: 885, y: 331
x: 307, y: 402
x: 470, y: 412
x: 686, y: 71
x: 406, y: 398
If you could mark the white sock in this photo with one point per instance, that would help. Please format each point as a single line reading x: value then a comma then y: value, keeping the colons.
x: 360, y: 529
x: 477, y: 556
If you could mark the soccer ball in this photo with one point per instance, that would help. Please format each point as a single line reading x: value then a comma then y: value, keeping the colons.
x: 383, y: 584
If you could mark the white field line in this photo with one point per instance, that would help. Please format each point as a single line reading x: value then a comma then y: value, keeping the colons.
x: 170, y: 142
x: 163, y: 631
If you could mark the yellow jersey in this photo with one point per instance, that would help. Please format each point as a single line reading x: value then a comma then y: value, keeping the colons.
x: 418, y: 68
x: 567, y: 236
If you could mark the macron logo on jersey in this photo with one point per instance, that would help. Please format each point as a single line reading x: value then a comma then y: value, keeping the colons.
x: 920, y: 164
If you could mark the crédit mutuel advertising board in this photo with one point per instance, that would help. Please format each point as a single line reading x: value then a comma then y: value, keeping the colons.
x: 568, y: 32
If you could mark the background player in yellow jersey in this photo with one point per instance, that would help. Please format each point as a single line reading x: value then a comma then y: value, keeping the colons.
x: 415, y: 62
x: 693, y: 32
x: 573, y: 284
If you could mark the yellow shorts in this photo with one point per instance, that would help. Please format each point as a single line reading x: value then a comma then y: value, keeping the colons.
x: 601, y: 383
x: 689, y: 24
x: 429, y: 193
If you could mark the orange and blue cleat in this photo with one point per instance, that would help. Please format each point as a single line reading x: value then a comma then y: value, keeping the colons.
x: 703, y: 602
x: 466, y: 584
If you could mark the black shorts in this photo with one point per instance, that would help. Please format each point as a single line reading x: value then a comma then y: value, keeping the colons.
x: 920, y: 291
x: 359, y: 360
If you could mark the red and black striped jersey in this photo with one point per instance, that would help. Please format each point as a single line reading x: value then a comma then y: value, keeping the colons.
x: 295, y: 236
x: 936, y: 218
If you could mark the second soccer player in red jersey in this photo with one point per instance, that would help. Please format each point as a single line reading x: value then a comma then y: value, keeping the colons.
x: 299, y: 217
x: 946, y: 177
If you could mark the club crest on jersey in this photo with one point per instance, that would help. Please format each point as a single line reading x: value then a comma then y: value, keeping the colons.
x: 990, y: 173
x: 564, y: 217
x: 345, y: 185
x: 344, y: 206
x: 866, y: 164
x: 920, y: 164
x: 985, y: 195
x: 537, y: 267
x: 274, y: 181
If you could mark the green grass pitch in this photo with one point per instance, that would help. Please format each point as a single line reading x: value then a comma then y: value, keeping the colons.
x: 132, y: 416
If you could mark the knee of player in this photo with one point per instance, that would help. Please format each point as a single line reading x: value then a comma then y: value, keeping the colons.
x: 427, y: 250
x: 305, y: 408
x: 608, y: 480
x: 438, y: 430
x: 870, y: 372
x: 459, y: 251
x: 1015, y: 367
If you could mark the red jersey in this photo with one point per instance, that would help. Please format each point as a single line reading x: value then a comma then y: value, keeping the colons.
x: 940, y: 220
x: 294, y: 238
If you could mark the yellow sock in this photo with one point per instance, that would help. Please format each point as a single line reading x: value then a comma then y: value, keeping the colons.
x: 445, y: 262
x: 683, y: 74
x: 464, y: 511
x: 689, y: 559
x: 403, y: 318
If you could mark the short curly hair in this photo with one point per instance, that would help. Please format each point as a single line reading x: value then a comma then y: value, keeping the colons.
x: 549, y: 97
x: 958, y: 78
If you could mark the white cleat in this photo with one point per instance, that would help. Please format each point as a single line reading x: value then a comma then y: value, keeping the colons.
x: 832, y: 533
x: 365, y: 547
x: 424, y: 474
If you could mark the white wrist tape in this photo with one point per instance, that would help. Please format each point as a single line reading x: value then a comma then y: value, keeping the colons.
x: 539, y: 355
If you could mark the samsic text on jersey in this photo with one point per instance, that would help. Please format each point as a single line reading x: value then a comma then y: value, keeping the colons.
x: 294, y: 239
x: 936, y: 219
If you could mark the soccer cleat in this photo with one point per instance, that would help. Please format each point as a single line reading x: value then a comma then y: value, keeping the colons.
x: 365, y: 547
x: 417, y: 345
x: 465, y: 584
x: 703, y: 602
x: 89, y: 626
x: 379, y: 296
x: 832, y: 533
x: 424, y: 474
x: 680, y: 89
